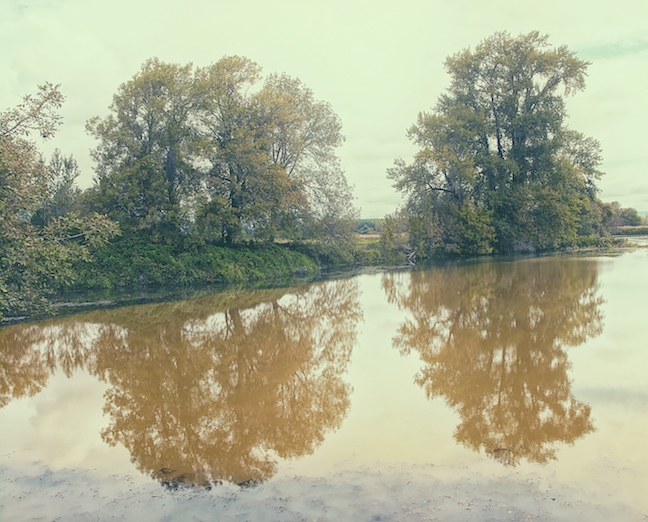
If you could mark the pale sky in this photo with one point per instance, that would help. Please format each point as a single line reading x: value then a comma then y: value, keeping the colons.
x: 378, y: 63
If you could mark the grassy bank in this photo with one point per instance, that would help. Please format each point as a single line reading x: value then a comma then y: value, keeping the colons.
x: 135, y: 262
x: 132, y: 262
x: 133, y: 268
x: 632, y: 231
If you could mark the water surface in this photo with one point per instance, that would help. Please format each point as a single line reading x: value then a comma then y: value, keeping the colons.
x: 515, y: 388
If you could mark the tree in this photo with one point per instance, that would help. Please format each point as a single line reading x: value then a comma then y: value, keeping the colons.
x: 217, y: 153
x: 62, y: 195
x: 498, y: 169
x: 144, y: 158
x: 272, y: 152
x: 305, y: 134
x: 37, y: 252
x: 239, y: 182
x: 392, y: 238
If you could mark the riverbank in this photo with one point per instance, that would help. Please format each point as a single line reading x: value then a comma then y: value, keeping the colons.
x: 132, y: 263
x: 133, y: 270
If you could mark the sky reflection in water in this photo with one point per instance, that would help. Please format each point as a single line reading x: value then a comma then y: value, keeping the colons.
x: 397, y: 367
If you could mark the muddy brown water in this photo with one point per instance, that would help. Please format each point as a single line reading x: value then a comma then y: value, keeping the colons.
x: 492, y: 390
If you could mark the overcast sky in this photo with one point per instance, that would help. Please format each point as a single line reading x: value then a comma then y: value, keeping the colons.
x: 378, y: 63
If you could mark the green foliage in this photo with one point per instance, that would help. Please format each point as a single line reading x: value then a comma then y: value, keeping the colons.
x: 146, y: 144
x: 42, y: 235
x: 367, y: 226
x: 498, y: 170
x: 134, y: 261
x: 369, y: 257
x: 630, y: 217
x: 472, y: 228
x: 62, y: 196
x: 392, y: 239
x: 617, y: 216
x: 328, y: 254
x: 213, y: 154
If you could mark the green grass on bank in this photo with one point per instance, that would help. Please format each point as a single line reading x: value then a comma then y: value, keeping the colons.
x: 135, y: 262
x: 132, y: 262
x: 632, y: 231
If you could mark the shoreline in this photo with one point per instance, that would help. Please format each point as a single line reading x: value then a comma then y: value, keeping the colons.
x: 96, y: 298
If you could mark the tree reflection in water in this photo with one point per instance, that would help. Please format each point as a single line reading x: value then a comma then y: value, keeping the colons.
x: 205, y: 390
x: 492, y: 338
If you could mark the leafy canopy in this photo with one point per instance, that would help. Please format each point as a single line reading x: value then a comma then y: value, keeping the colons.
x: 214, y: 153
x: 41, y: 234
x: 498, y: 169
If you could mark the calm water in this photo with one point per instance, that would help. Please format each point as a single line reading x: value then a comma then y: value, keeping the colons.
x: 528, y: 374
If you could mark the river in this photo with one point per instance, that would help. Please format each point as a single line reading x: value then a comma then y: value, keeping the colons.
x: 483, y: 390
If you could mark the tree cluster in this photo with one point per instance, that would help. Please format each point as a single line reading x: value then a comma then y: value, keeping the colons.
x: 498, y: 170
x: 218, y: 154
x: 210, y: 154
x: 618, y: 216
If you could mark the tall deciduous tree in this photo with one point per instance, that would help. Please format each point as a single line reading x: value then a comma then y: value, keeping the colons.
x: 36, y: 254
x: 272, y: 152
x: 238, y: 181
x: 144, y: 168
x: 305, y: 134
x: 498, y: 168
